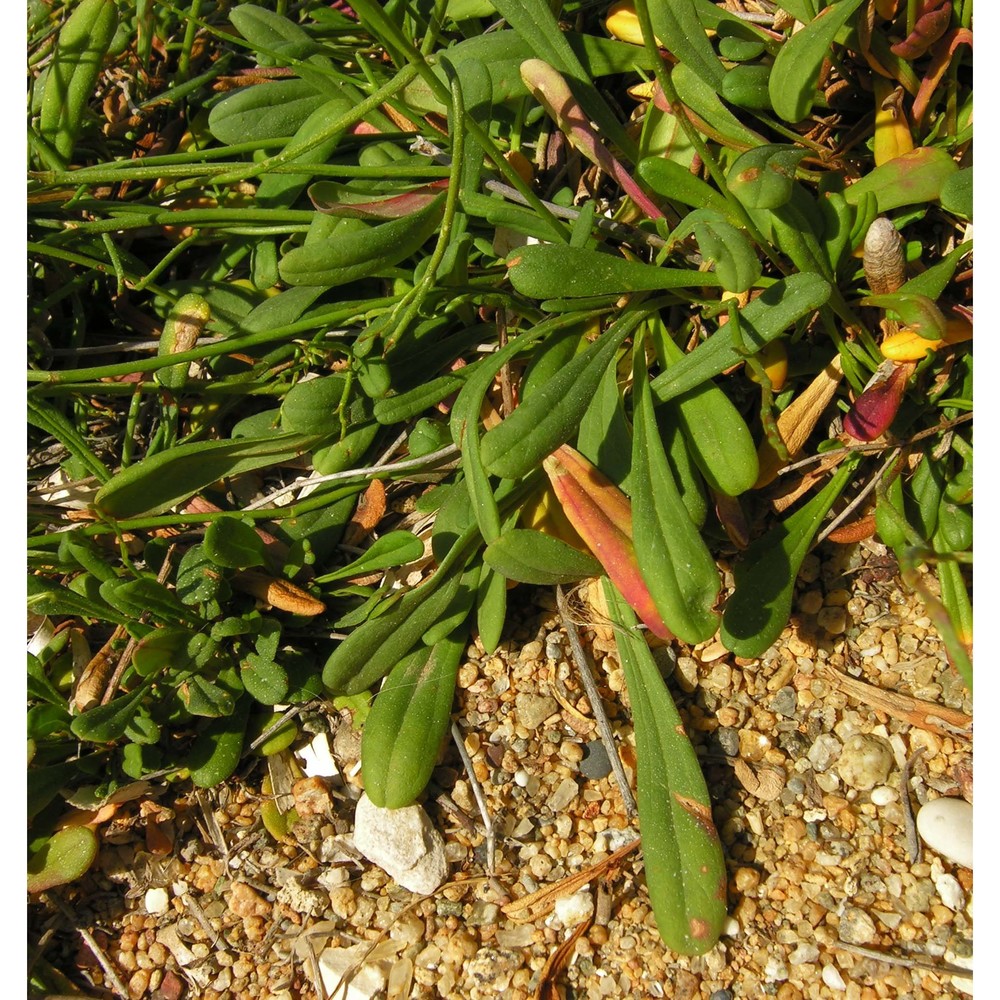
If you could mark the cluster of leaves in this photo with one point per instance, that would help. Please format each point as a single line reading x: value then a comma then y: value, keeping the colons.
x: 242, y: 184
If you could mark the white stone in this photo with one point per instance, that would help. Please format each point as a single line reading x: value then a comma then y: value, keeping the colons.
x: 833, y: 978
x: 572, y: 910
x: 950, y: 891
x: 883, y: 795
x: 337, y: 963
x: 945, y: 826
x: 157, y: 901
x: 317, y: 761
x: 403, y: 843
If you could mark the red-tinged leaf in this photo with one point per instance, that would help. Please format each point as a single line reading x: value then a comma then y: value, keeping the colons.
x: 932, y: 22
x: 875, y: 409
x: 941, y: 60
x: 602, y: 515
x: 553, y: 93
x: 331, y: 198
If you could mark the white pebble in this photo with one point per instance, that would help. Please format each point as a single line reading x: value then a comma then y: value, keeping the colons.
x: 572, y: 910
x: 950, y: 891
x: 157, y: 901
x: 883, y: 795
x: 317, y: 761
x: 945, y: 826
x: 833, y: 978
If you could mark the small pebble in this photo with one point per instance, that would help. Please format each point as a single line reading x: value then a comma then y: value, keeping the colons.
x: 883, y: 795
x: 595, y: 764
x: 865, y: 761
x: 729, y: 740
x: 572, y: 910
x: 804, y: 953
x: 157, y: 901
x: 533, y: 709
x: 824, y: 751
x: 856, y: 927
x: 784, y: 702
x: 950, y: 891
x: 833, y: 978
x: 945, y: 826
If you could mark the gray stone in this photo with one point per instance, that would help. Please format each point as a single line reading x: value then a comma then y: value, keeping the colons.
x: 865, y: 761
x: 595, y: 763
x: 403, y: 843
x: 785, y: 701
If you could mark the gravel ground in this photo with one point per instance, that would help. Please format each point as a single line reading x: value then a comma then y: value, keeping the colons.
x: 828, y: 897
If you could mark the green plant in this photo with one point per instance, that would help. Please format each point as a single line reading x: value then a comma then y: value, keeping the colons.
x: 272, y: 278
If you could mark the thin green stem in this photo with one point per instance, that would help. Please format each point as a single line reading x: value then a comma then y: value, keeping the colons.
x: 168, y: 258
x: 109, y: 245
x: 417, y: 296
x: 190, y: 30
x: 154, y: 169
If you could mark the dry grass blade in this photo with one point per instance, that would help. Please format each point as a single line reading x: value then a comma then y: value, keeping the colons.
x: 558, y: 961
x: 927, y: 715
x: 533, y: 905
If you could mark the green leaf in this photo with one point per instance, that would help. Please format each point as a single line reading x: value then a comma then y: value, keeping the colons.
x: 408, y: 722
x: 63, y: 858
x: 163, y: 648
x: 361, y: 252
x: 395, y: 548
x: 549, y: 418
x: 916, y: 312
x: 107, y: 723
x: 170, y: 477
x: 736, y: 263
x: 747, y: 87
x: 533, y: 557
x: 198, y: 578
x: 144, y: 596
x: 264, y: 111
x: 264, y: 680
x: 764, y: 177
x: 703, y: 99
x: 233, y: 542
x: 46, y: 597
x: 716, y: 435
x: 491, y: 608
x: 911, y: 179
x: 758, y: 609
x: 310, y: 406
x: 798, y: 63
x: 684, y: 863
x: 371, y: 650
x: 270, y: 32
x: 550, y: 271
x: 142, y: 729
x: 673, y: 558
x: 956, y: 194
x: 677, y: 25
x: 604, y: 437
x: 763, y: 319
x: 206, y: 698
x: 675, y: 181
x: 216, y: 751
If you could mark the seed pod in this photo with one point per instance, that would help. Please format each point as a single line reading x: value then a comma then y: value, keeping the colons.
x: 884, y: 258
